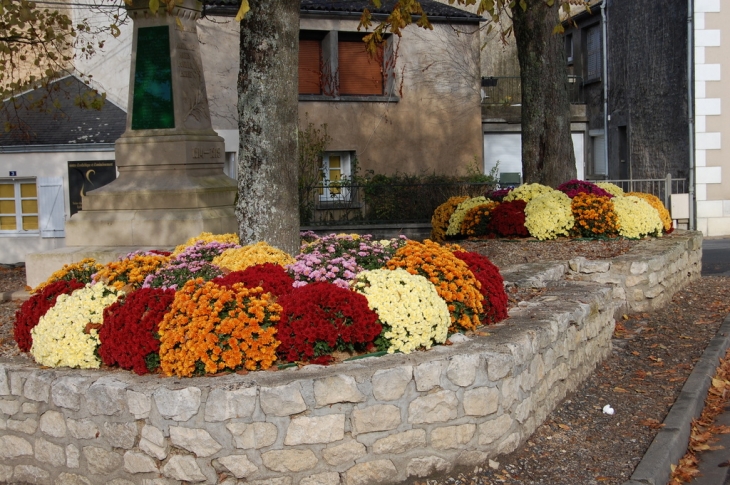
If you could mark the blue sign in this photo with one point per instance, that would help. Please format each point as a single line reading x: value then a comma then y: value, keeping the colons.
x: 13, y: 173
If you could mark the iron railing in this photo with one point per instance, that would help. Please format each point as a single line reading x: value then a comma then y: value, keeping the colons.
x: 507, y: 90
x: 374, y: 203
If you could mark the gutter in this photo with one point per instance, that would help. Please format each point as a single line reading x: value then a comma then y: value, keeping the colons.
x: 606, y: 116
x: 66, y: 147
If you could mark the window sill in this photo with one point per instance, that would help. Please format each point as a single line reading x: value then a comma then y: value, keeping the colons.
x: 592, y: 81
x: 351, y: 99
x: 20, y: 234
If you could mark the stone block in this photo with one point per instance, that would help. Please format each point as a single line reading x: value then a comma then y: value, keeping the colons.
x: 13, y: 447
x: 199, y: 441
x: 633, y: 280
x: 120, y: 435
x: 371, y: 473
x: 222, y: 405
x: 6, y: 473
x: 315, y: 429
x: 481, y: 401
x: 139, y: 404
x: 16, y: 382
x: 4, y: 382
x: 336, y: 389
x: 82, y: 430
x: 427, y: 465
x: 282, y: 400
x: 68, y: 391
x: 27, y: 426
x: 380, y: 417
x: 448, y: 437
x: 390, y: 384
x: 327, y: 478
x: 638, y: 267
x: 254, y: 435
x: 29, y: 408
x: 498, y: 366
x: 72, y: 456
x: 462, y: 370
x: 9, y: 407
x: 436, y: 407
x: 400, y: 442
x: 239, y: 465
x: 654, y: 292
x: 135, y: 462
x: 493, y: 430
x: 38, y: 386
x: 101, y: 461
x: 53, y: 424
x: 179, y: 405
x: 105, y: 397
x: 428, y: 375
x: 347, y: 452
x: 31, y: 474
x: 590, y: 266
x: 472, y: 458
x: 47, y: 452
x: 509, y: 445
x: 272, y: 481
x: 286, y: 461
x: 72, y: 479
x: 183, y: 467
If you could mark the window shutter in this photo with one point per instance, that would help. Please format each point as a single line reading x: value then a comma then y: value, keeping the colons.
x: 310, y: 62
x: 359, y: 74
x: 50, y: 207
x: 593, y: 52
x: 600, y: 167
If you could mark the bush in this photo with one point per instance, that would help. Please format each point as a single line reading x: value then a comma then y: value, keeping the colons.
x: 192, y: 262
x: 81, y: 272
x: 442, y: 215
x: 36, y: 306
x: 131, y: 270
x: 657, y: 204
x: 476, y: 220
x: 129, y: 336
x: 492, y: 289
x: 527, y: 192
x: 212, y: 328
x: 320, y: 318
x: 548, y: 216
x: 572, y: 188
x: 594, y: 216
x: 412, y: 313
x: 612, y: 189
x: 271, y: 277
x: 457, y: 217
x: 240, y: 258
x: 451, y: 276
x: 636, y: 218
x: 508, y: 219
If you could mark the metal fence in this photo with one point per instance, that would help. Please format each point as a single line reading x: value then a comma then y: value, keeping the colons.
x: 662, y: 188
x: 507, y: 90
x: 374, y: 203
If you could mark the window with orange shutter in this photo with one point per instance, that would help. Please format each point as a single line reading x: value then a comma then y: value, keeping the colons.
x: 310, y: 65
x: 359, y: 73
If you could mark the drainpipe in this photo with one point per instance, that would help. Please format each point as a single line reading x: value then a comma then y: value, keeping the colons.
x: 690, y: 112
x: 604, y: 29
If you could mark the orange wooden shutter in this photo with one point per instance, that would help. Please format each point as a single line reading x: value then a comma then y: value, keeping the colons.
x: 309, y: 67
x: 359, y: 74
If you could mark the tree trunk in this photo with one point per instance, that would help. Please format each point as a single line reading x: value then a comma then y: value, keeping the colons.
x: 267, y: 207
x: 547, y: 148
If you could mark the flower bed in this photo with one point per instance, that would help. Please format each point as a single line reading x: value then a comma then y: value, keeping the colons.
x: 576, y: 208
x: 214, y: 306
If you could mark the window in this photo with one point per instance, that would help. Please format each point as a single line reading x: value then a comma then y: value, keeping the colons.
x: 593, y: 53
x: 600, y: 165
x: 569, y: 48
x: 335, y: 170
x: 337, y: 64
x: 18, y: 206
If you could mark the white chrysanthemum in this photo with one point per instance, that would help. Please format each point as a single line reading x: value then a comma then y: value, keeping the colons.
x: 59, y: 338
x: 458, y: 216
x: 408, y: 305
x: 549, y: 215
x: 527, y: 192
x: 636, y: 217
x: 612, y: 189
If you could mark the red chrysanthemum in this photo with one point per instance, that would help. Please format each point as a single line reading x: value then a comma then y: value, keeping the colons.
x: 508, y: 219
x: 495, y: 298
x: 271, y: 277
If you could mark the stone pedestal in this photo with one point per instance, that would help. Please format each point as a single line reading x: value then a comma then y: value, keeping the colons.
x: 171, y: 184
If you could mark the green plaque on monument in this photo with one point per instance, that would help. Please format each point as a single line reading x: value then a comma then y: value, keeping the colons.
x: 153, y: 107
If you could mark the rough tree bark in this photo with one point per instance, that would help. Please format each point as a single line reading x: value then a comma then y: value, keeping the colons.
x: 267, y: 208
x: 547, y: 148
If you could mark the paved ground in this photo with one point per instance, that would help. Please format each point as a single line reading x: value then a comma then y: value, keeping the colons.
x: 716, y: 257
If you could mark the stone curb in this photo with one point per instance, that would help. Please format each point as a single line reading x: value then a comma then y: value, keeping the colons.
x: 21, y: 295
x: 670, y: 444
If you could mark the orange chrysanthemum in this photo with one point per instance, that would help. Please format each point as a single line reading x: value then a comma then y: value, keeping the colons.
x: 212, y: 328
x: 594, y: 215
x: 131, y: 271
x: 453, y: 280
x: 441, y: 216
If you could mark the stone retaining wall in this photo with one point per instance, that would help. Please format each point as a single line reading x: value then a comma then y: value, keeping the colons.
x: 368, y: 421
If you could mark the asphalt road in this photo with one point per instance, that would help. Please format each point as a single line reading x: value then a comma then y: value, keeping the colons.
x: 716, y: 257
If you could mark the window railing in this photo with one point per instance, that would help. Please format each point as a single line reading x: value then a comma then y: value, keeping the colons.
x: 662, y: 188
x: 507, y: 90
x: 373, y: 203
